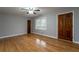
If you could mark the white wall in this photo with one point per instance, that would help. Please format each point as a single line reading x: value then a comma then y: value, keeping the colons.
x: 52, y: 24
x: 11, y: 25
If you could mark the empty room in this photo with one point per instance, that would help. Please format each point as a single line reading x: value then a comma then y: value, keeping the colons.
x: 39, y: 29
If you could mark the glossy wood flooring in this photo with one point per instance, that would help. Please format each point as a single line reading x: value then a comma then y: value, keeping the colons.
x: 36, y: 43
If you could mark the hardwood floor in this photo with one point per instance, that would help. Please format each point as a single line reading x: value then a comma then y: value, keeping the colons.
x: 36, y: 43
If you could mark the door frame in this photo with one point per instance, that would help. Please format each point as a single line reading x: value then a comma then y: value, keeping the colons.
x: 72, y: 23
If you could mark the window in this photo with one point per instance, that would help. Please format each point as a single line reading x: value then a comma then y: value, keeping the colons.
x: 41, y: 24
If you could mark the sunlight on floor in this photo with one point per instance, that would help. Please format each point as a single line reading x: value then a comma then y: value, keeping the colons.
x: 41, y: 43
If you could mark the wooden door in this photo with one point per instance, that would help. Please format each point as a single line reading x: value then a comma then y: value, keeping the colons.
x: 61, y: 26
x: 68, y: 26
x: 28, y: 26
x: 65, y: 26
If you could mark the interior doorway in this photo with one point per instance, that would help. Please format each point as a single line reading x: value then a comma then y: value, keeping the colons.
x: 28, y: 26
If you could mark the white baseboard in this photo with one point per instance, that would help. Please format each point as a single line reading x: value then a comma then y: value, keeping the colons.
x: 76, y: 42
x: 45, y: 35
x: 12, y: 35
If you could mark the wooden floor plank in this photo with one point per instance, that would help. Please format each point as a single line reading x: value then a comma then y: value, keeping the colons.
x: 36, y: 43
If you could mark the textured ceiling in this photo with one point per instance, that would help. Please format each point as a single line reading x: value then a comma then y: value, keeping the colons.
x: 18, y: 11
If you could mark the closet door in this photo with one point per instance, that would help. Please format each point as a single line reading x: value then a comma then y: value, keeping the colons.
x: 68, y: 26
x: 65, y: 26
x: 61, y: 33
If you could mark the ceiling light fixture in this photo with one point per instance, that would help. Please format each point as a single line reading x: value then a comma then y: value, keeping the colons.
x: 31, y: 10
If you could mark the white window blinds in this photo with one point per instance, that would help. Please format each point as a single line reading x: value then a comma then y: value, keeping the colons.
x: 41, y: 24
